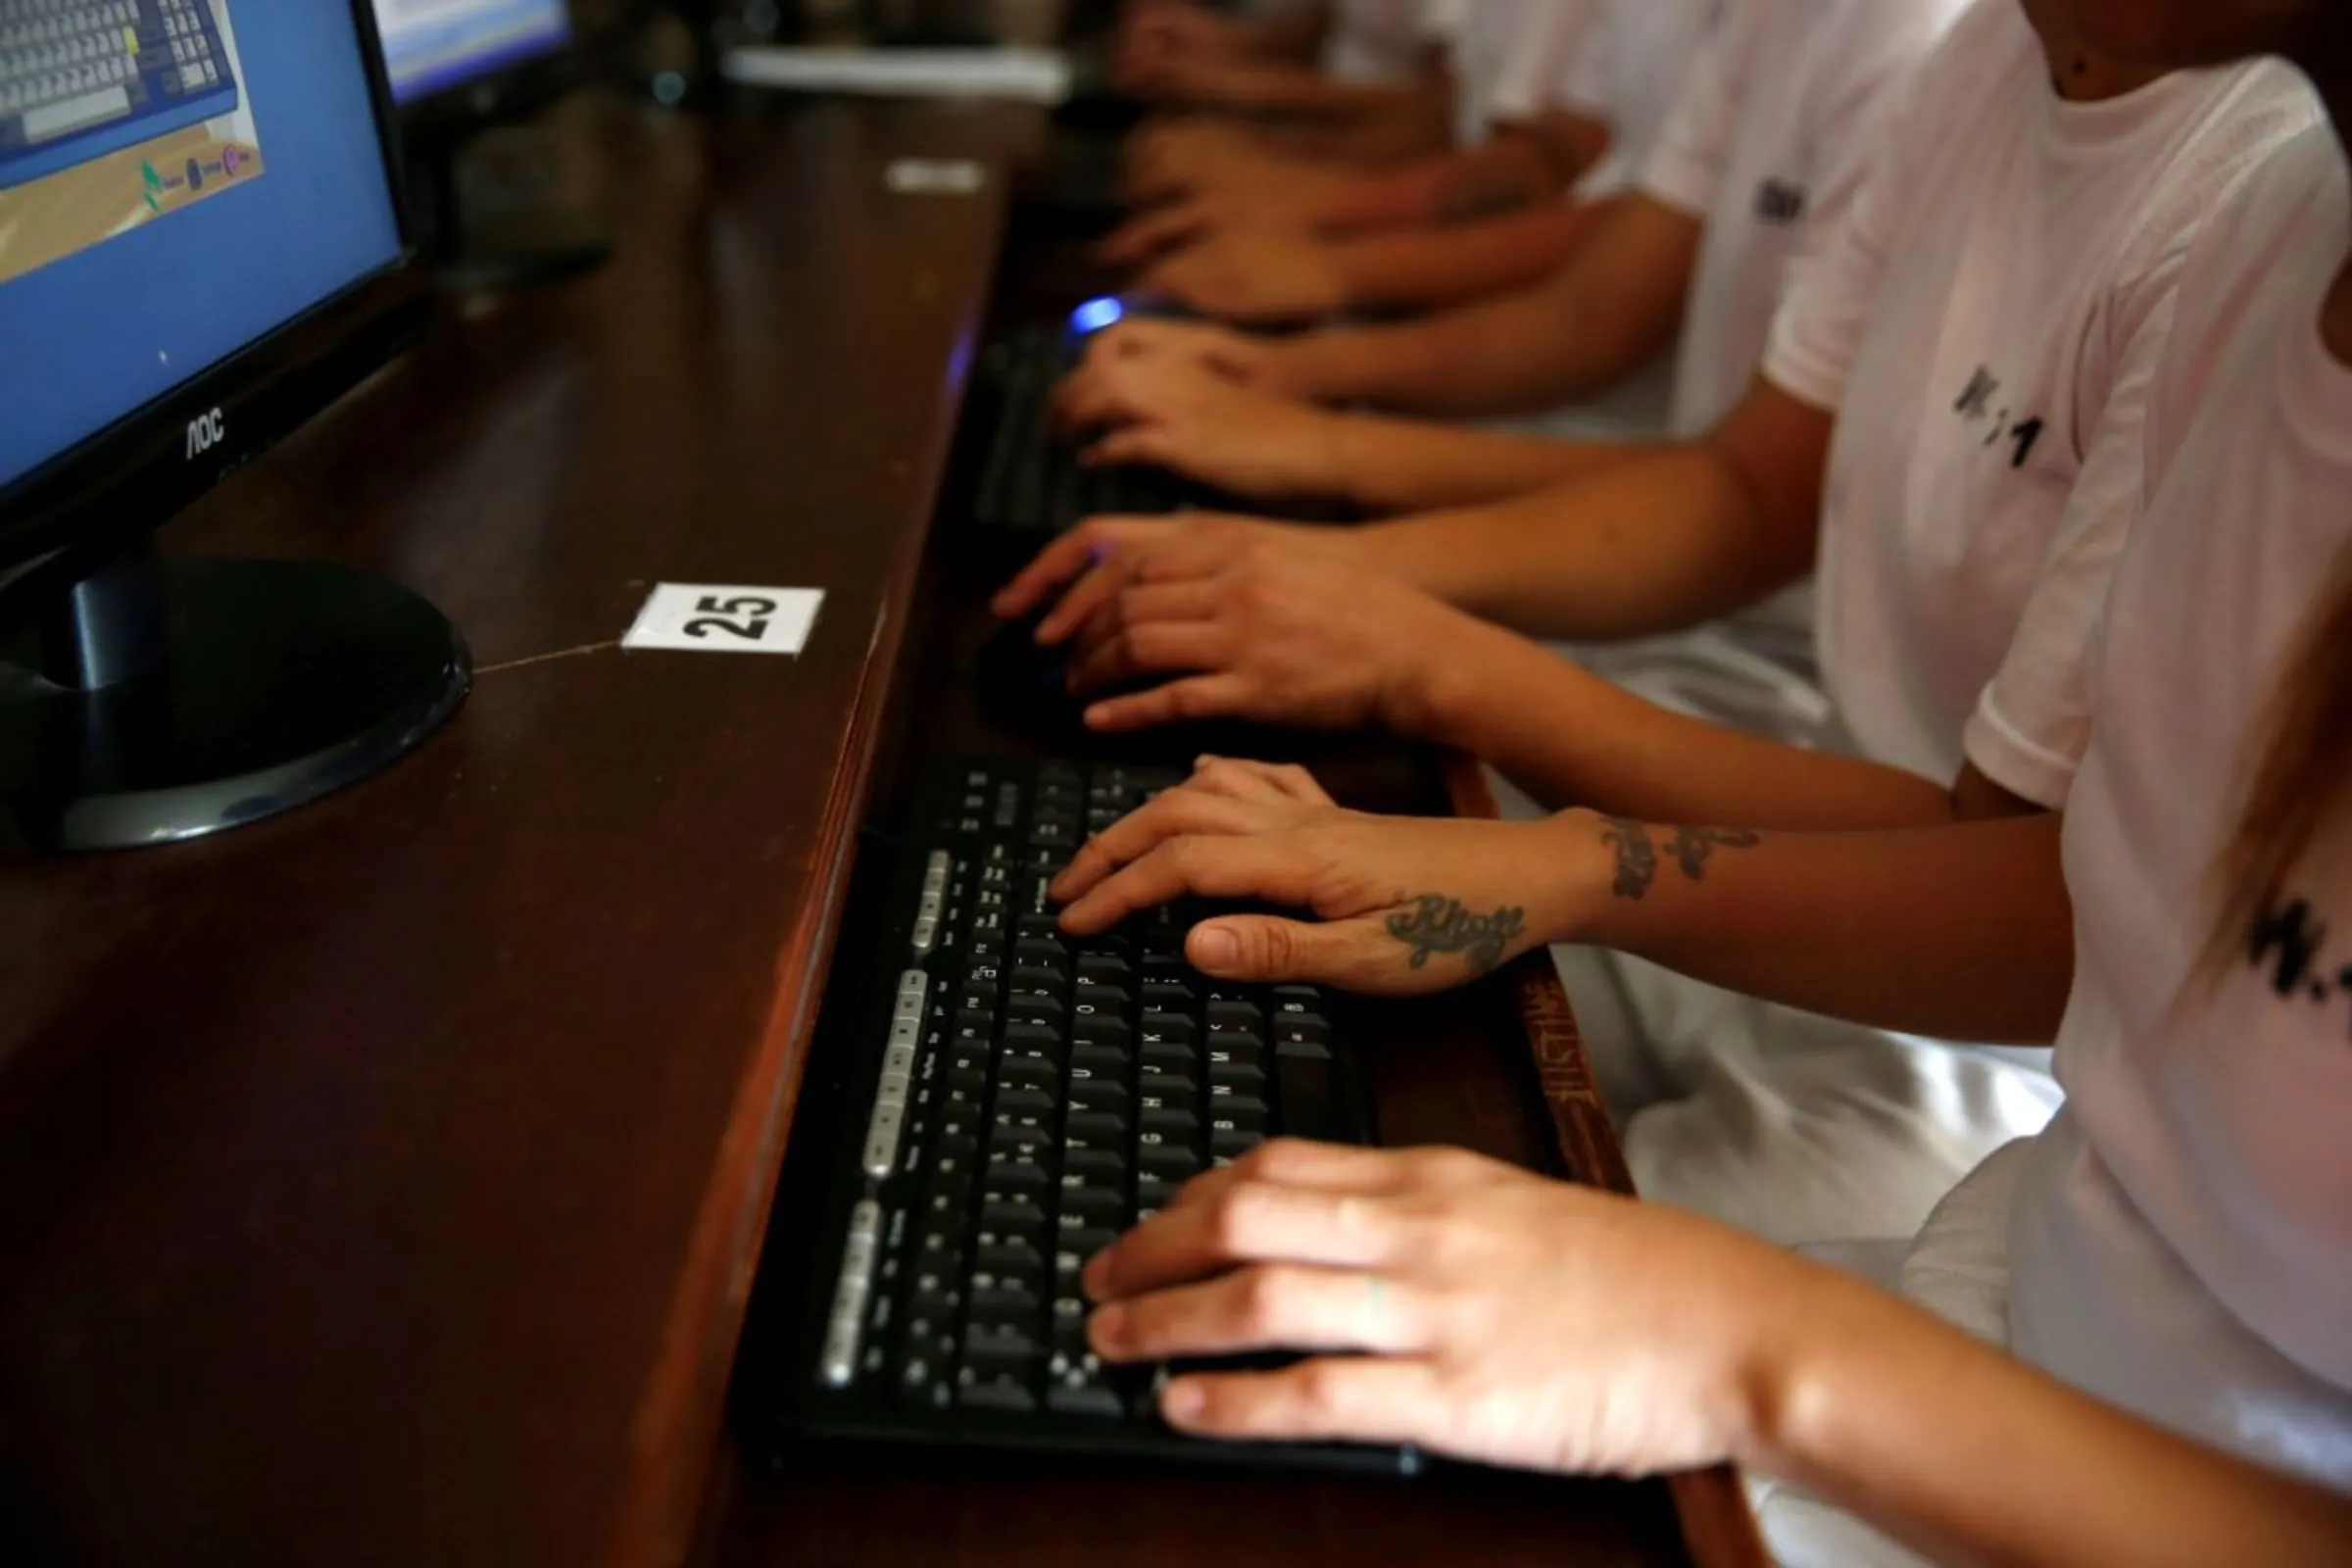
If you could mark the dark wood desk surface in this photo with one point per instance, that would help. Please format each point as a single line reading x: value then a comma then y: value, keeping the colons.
x: 382, y: 1184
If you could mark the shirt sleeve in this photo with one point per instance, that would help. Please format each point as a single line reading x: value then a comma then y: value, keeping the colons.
x: 1817, y: 333
x: 2031, y: 723
x: 1851, y: 93
x: 1686, y: 169
x: 1536, y: 78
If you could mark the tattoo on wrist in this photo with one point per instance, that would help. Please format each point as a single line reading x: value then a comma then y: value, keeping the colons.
x: 1691, y: 847
x: 1437, y: 923
x: 1637, y: 857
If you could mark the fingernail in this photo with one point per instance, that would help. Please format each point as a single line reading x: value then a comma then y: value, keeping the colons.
x: 1097, y: 1275
x: 1215, y: 947
x: 1181, y: 1401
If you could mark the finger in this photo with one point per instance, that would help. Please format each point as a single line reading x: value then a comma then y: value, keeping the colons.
x: 1150, y: 446
x: 1268, y: 1306
x: 1268, y: 948
x: 1352, y: 1398
x: 1139, y: 239
x: 1250, y: 1222
x: 1196, y: 697
x: 1092, y: 397
x: 1230, y: 775
x: 1059, y: 562
x: 1287, y: 779
x: 1300, y: 1163
x: 1094, y: 595
x: 1155, y: 649
x: 1168, y: 815
x: 1214, y: 865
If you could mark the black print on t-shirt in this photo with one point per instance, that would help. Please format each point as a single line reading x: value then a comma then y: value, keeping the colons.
x: 2287, y: 940
x: 1778, y: 201
x: 1974, y: 405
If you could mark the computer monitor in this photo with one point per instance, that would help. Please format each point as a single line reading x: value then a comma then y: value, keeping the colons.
x: 433, y: 48
x: 198, y: 248
x: 459, y: 66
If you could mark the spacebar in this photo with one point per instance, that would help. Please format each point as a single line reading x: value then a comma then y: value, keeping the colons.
x: 59, y: 118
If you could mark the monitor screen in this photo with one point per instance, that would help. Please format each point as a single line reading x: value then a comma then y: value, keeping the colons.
x: 177, y: 179
x: 433, y: 45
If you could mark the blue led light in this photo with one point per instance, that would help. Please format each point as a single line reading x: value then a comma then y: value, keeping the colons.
x: 1097, y: 313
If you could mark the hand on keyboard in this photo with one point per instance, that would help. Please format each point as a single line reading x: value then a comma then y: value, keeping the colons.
x: 1082, y: 573
x: 1256, y: 275
x: 1486, y: 1313
x: 1139, y: 401
x: 1272, y: 639
x: 1405, y: 905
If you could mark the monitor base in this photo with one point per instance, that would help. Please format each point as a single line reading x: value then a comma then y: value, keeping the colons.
x: 546, y: 249
x: 177, y: 699
x: 497, y: 212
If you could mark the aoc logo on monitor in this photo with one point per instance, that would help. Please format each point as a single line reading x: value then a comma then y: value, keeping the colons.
x: 204, y: 432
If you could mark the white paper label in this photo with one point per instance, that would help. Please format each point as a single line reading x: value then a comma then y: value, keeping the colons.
x: 725, y: 619
x: 934, y: 176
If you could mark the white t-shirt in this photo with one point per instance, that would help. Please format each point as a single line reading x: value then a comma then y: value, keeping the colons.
x: 1767, y: 146
x: 1535, y: 75
x: 1618, y: 61
x: 2181, y: 1241
x: 1629, y: 72
x: 1985, y: 321
x: 1378, y: 42
x: 1489, y: 41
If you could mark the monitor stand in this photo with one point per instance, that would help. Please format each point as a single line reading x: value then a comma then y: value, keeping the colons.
x: 161, y: 700
x: 494, y: 215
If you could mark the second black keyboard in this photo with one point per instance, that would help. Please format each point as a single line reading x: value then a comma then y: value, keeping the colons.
x: 1030, y: 481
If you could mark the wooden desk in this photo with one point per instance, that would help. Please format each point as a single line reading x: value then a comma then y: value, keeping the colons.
x: 383, y: 1183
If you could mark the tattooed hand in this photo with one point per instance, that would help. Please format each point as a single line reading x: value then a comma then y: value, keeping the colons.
x: 1404, y: 904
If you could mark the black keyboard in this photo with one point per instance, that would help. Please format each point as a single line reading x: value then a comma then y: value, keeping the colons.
x: 1006, y: 1102
x: 1030, y: 482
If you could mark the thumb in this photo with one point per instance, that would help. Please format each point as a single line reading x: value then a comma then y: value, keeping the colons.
x: 1269, y: 948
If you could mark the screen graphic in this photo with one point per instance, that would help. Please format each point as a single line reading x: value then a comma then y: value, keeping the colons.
x: 114, y: 114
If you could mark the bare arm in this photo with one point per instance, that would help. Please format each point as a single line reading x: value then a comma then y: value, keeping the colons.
x: 1971, y: 1456
x: 1961, y: 931
x: 1614, y: 306
x: 1508, y: 171
x: 1652, y: 545
x: 1445, y: 266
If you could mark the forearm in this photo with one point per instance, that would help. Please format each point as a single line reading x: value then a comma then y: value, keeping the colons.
x: 1522, y: 353
x: 1441, y: 267
x: 1386, y: 464
x: 1957, y: 931
x: 1970, y: 1456
x: 1661, y: 542
x: 1454, y: 188
x: 1571, y: 738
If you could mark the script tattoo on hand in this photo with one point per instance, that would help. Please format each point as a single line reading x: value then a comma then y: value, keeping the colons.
x: 1691, y: 847
x: 1437, y: 923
